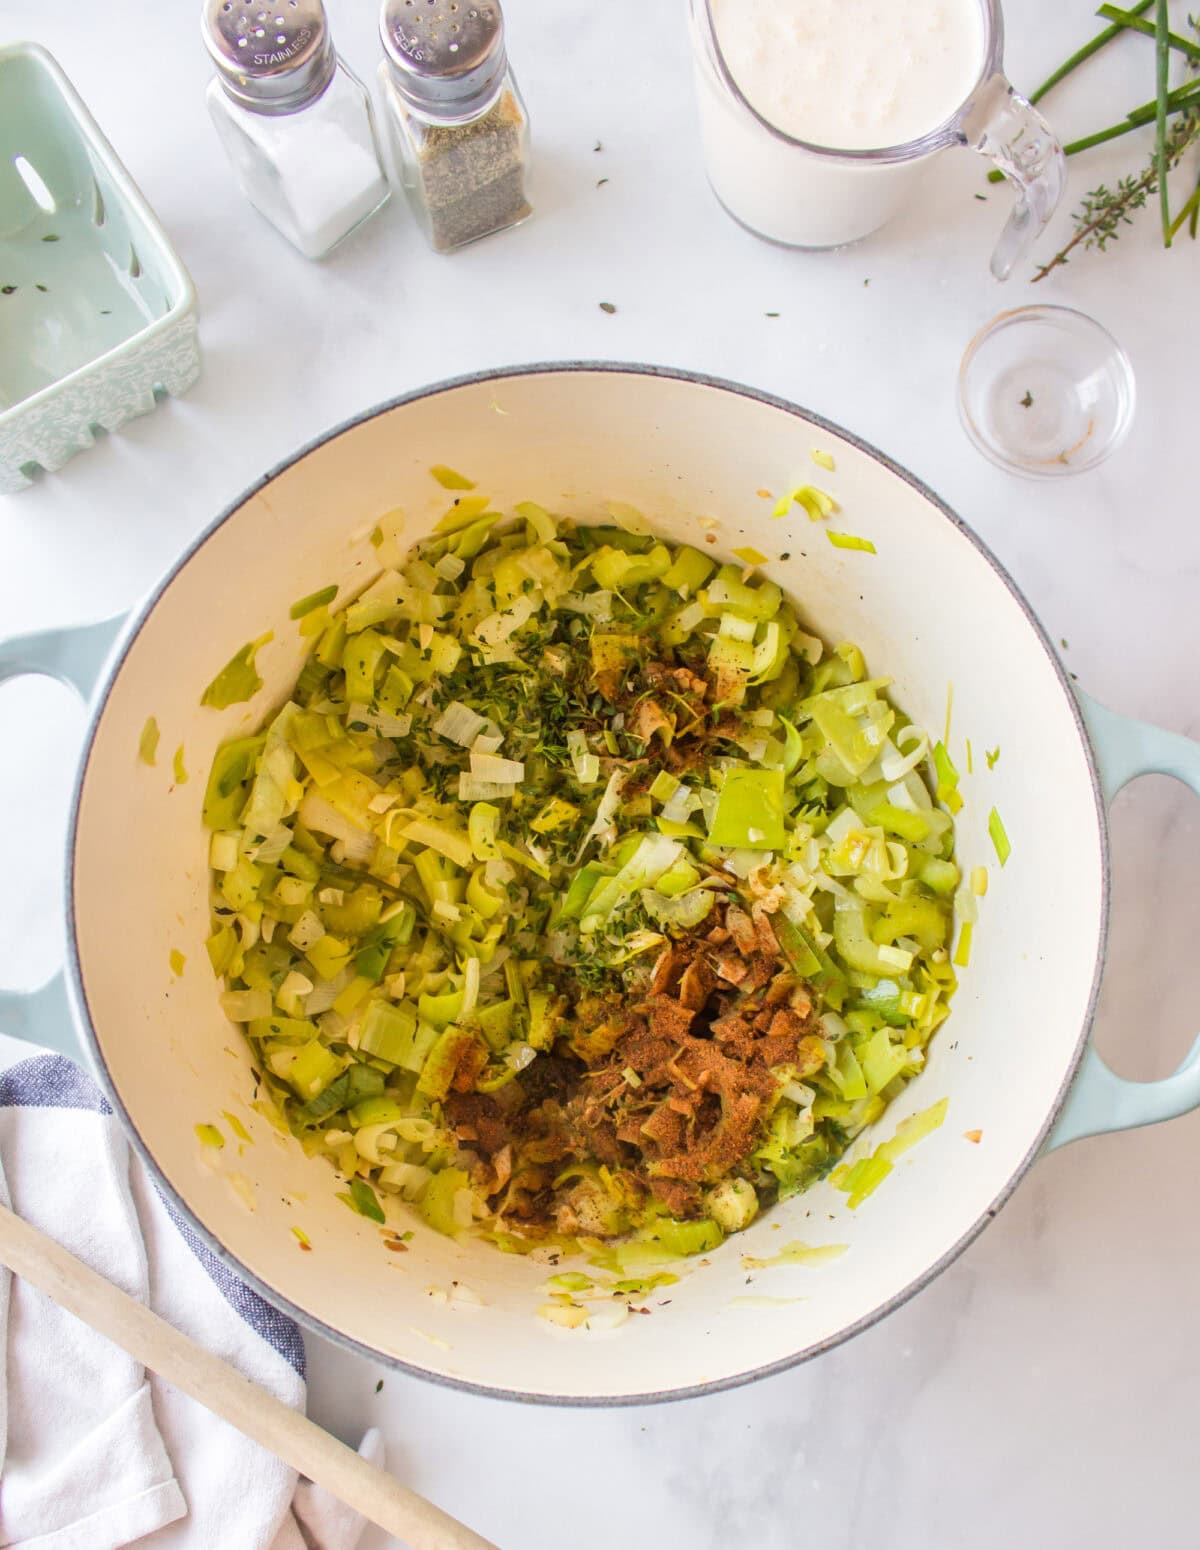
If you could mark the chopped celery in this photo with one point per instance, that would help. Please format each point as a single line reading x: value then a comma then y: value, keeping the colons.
x: 361, y: 660
x: 314, y: 600
x: 999, y: 837
x: 439, y: 1201
x: 614, y: 570
x: 388, y: 1031
x: 688, y: 571
x: 443, y: 1061
x: 849, y: 541
x: 861, y: 1179
x: 313, y: 1069
x: 947, y: 778
x: 238, y: 680
x: 449, y: 479
x: 749, y: 813
x: 818, y: 504
x: 683, y: 1238
x: 881, y: 1061
x: 906, y: 825
x: 229, y: 781
x: 363, y: 1199
x: 148, y: 742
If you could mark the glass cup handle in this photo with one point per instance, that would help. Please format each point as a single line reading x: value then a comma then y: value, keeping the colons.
x: 1000, y: 124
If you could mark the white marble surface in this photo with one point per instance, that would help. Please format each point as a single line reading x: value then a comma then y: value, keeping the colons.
x: 1042, y: 1392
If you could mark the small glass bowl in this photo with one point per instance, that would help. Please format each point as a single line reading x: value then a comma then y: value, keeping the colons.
x: 1045, y: 391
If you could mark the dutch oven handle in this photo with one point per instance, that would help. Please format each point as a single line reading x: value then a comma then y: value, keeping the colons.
x: 1099, y: 1100
x: 75, y: 655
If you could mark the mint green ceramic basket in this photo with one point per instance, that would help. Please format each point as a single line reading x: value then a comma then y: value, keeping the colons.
x: 97, y: 313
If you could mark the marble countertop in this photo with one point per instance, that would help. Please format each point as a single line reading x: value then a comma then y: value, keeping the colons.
x: 1042, y: 1391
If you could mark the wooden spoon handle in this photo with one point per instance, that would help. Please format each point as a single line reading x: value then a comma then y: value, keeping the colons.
x: 211, y: 1382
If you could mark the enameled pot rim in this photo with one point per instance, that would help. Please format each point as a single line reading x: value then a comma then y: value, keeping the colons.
x: 78, y: 997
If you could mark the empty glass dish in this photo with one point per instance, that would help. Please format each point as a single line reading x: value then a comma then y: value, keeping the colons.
x: 1045, y: 391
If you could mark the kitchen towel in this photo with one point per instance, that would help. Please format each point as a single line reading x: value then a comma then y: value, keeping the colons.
x: 96, y: 1452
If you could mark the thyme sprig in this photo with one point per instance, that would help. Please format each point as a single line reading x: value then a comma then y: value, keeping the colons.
x: 1176, y: 118
x: 1104, y: 211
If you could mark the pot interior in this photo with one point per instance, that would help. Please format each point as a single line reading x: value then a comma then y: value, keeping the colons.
x: 928, y: 608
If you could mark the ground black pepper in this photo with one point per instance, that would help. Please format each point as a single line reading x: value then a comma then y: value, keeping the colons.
x: 473, y: 175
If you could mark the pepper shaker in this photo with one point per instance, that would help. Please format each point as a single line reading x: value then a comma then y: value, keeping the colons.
x: 295, y: 123
x: 456, y: 122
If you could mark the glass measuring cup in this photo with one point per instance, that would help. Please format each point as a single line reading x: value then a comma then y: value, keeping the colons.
x: 814, y: 196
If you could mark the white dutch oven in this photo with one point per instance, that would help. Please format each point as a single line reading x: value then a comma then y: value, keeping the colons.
x: 679, y: 448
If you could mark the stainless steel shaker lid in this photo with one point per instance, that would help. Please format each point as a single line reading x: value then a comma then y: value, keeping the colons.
x: 446, y: 57
x: 272, y: 58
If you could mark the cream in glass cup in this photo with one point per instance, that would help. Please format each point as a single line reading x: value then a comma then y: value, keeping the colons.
x: 819, y: 117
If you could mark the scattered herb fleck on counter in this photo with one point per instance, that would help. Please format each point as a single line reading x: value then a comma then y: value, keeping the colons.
x: 1027, y: 401
x: 607, y: 306
x: 50, y: 237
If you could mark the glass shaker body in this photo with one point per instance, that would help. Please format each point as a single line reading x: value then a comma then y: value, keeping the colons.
x: 464, y: 179
x: 314, y: 173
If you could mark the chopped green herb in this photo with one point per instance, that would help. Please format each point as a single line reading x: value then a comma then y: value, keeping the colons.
x: 50, y: 237
x: 992, y: 756
x: 177, y: 962
x: 209, y: 1135
x: 1027, y: 401
x: 607, y: 306
x: 179, y: 769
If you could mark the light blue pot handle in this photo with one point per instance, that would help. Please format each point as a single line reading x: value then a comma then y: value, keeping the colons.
x: 75, y: 656
x: 1099, y: 1100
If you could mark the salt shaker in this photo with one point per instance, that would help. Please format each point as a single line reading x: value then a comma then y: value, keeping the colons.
x: 455, y: 119
x: 295, y: 123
